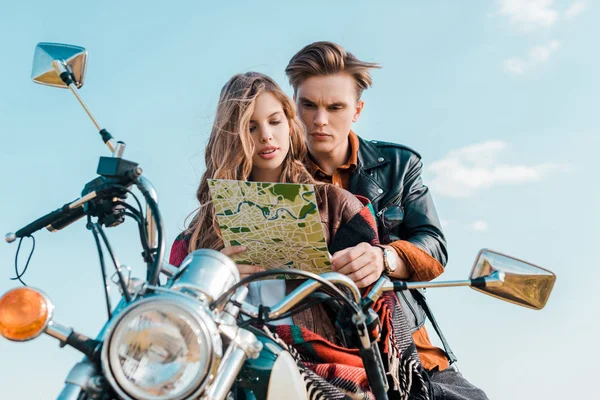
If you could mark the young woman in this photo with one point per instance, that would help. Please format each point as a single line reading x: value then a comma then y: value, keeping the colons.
x: 257, y: 136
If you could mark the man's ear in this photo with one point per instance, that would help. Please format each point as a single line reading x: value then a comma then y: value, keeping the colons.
x: 359, y: 107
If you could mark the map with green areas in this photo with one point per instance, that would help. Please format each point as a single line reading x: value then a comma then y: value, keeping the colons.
x: 279, y: 224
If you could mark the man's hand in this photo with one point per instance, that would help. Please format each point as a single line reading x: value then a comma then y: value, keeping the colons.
x: 244, y: 269
x: 362, y: 263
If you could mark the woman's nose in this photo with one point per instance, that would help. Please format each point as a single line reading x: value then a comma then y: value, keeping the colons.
x: 266, y: 135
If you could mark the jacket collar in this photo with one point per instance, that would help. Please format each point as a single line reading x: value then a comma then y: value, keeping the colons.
x: 364, y: 183
x: 369, y: 156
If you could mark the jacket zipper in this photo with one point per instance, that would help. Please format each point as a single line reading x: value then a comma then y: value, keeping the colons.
x: 393, y: 202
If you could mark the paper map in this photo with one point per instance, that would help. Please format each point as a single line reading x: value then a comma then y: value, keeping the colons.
x: 279, y: 223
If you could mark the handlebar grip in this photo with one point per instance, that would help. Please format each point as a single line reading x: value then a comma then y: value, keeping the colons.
x: 41, y: 222
x: 66, y: 218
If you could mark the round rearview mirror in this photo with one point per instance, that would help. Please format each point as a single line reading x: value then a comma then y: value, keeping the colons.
x: 525, y: 284
x: 73, y: 58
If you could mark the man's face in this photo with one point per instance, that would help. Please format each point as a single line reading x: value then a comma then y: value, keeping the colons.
x: 328, y: 106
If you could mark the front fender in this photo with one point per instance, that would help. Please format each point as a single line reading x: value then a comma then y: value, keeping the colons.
x: 274, y: 375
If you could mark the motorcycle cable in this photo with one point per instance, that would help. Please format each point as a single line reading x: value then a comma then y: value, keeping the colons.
x: 126, y: 189
x: 140, y: 220
x: 147, y: 254
x: 124, y: 288
x: 18, y: 274
x: 321, y: 298
x: 102, y: 267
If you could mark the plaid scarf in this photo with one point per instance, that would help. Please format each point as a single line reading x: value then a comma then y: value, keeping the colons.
x: 334, y: 372
x: 331, y: 371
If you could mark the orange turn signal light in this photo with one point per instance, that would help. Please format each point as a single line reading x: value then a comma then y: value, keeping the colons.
x: 24, y: 314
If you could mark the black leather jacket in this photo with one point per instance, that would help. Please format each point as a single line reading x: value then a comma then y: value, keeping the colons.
x: 390, y: 174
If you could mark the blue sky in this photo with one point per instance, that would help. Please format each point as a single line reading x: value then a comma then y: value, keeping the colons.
x: 499, y: 97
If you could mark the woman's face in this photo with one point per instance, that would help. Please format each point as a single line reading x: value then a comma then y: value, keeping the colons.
x: 270, y: 131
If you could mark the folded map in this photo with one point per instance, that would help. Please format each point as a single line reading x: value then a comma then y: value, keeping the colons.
x: 279, y: 224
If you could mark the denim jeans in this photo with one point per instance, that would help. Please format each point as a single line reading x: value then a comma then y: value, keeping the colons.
x: 449, y: 384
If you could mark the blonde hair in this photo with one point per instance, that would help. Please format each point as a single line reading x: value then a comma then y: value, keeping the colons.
x: 230, y: 148
x: 327, y: 58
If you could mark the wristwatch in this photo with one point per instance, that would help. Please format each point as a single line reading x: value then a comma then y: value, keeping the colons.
x: 389, y: 260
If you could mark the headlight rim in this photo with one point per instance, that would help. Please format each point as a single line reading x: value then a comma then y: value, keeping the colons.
x: 197, y: 313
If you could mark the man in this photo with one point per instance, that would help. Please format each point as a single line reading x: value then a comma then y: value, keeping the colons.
x: 328, y: 83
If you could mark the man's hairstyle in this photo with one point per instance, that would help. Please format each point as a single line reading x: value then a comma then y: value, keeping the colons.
x: 327, y: 58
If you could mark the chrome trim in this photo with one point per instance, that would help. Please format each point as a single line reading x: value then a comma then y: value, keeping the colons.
x: 495, y: 279
x: 119, y: 150
x: 168, y: 269
x: 242, y: 339
x: 78, y: 380
x: 201, y: 316
x: 10, y: 237
x: 426, y: 285
x: 223, y: 382
x: 380, y: 286
x: 243, y: 345
x: 110, y: 143
x: 59, y: 67
x: 81, y: 201
x: 58, y: 331
x: 207, y: 273
x: 70, y: 392
x: 151, y: 229
x: 232, y: 309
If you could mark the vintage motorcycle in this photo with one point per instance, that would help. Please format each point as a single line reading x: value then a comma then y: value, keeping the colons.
x: 182, y: 338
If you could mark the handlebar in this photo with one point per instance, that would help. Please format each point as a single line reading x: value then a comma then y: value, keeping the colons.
x: 55, y: 220
x: 302, y: 292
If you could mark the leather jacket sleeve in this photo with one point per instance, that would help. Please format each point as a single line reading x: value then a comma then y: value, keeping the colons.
x: 390, y: 174
x: 421, y: 225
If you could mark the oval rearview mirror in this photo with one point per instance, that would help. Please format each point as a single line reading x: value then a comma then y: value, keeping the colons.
x: 525, y: 284
x: 74, y: 58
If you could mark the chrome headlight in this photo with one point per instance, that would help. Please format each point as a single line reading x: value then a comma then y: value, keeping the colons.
x: 165, y: 347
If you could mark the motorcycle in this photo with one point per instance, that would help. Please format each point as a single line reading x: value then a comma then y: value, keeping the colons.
x: 177, y: 333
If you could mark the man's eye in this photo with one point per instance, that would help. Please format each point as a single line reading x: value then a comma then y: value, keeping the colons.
x: 335, y: 108
x: 308, y: 105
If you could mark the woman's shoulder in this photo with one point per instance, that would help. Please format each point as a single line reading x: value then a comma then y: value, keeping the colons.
x: 340, y: 198
x: 180, y: 249
x: 350, y: 219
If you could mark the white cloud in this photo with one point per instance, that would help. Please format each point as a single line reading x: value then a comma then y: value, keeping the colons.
x: 538, y: 55
x: 529, y: 15
x: 479, y: 226
x: 515, y: 65
x: 464, y: 172
x: 541, y: 54
x: 576, y: 9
